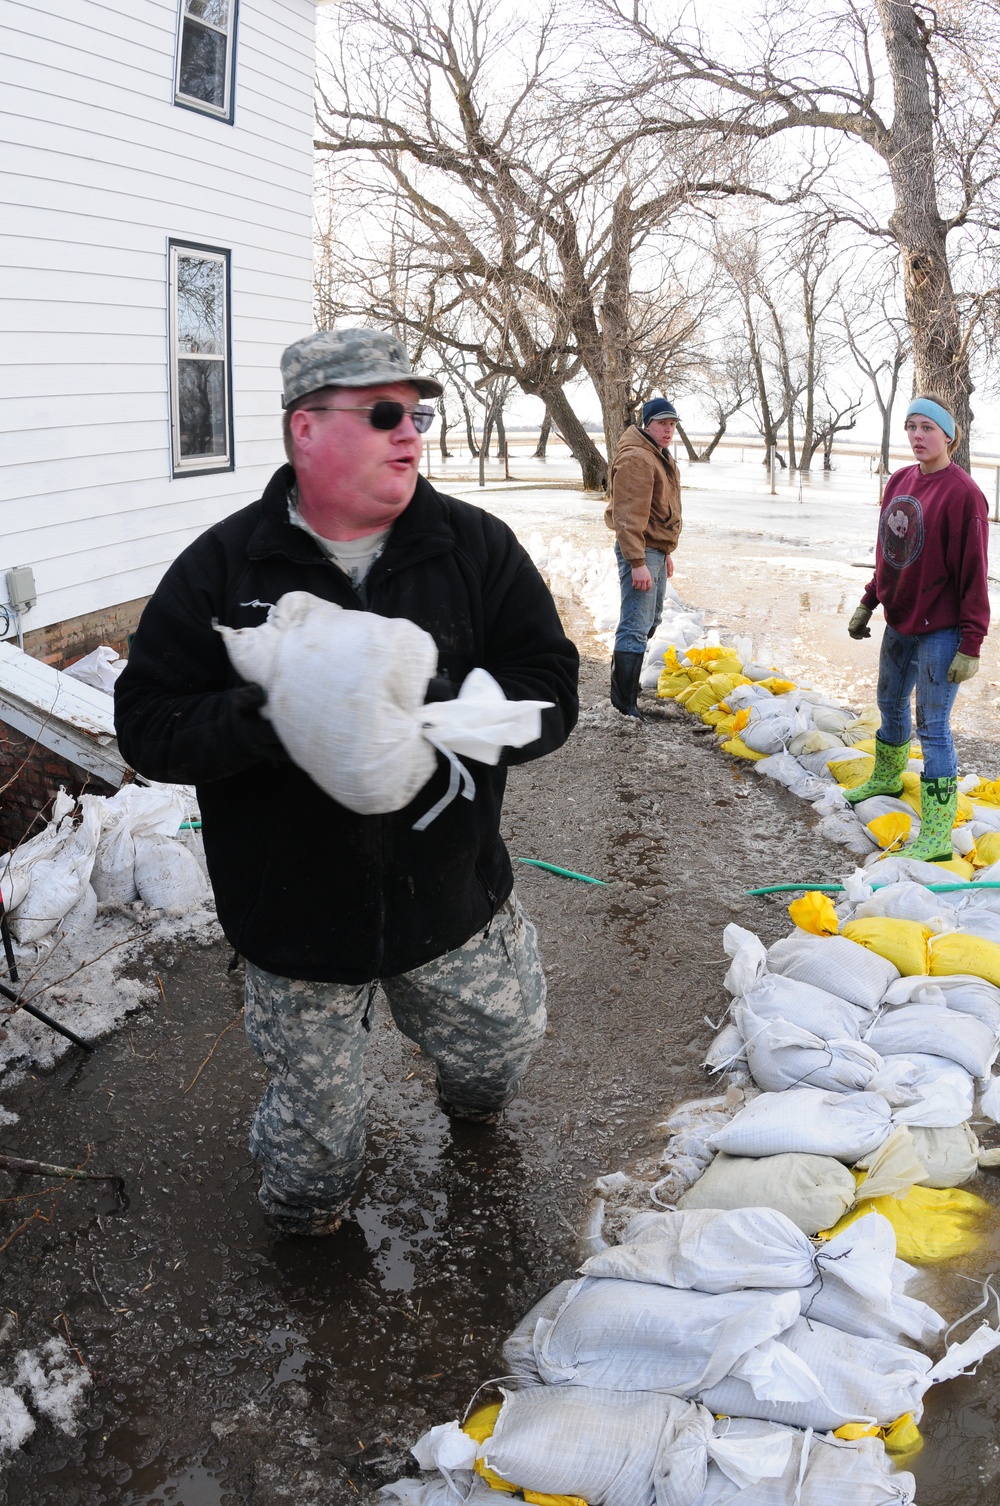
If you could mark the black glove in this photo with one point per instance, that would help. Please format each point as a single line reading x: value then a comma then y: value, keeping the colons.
x: 440, y: 689
x: 258, y: 733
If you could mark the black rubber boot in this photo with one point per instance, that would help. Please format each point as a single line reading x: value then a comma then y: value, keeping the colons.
x: 625, y: 671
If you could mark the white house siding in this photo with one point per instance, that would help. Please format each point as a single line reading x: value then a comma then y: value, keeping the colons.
x: 99, y: 168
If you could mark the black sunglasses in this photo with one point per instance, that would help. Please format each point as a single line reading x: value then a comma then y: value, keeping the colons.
x: 388, y: 415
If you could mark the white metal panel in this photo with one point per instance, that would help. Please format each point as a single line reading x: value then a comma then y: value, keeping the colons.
x: 101, y: 169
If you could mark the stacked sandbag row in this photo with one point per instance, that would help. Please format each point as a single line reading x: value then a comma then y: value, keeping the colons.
x: 105, y: 850
x: 817, y: 749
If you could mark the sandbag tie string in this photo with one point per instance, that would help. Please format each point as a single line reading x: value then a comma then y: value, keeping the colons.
x: 459, y: 776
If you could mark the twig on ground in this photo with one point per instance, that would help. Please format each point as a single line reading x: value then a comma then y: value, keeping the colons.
x: 208, y: 1058
x: 11, y: 1237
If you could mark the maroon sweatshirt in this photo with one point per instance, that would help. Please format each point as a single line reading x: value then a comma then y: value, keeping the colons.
x: 930, y: 562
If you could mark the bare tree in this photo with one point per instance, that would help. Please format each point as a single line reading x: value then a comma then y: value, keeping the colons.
x: 877, y: 337
x: 536, y: 226
x: 912, y: 85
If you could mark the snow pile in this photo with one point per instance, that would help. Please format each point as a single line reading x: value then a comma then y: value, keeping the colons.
x: 105, y: 878
x: 55, y: 1383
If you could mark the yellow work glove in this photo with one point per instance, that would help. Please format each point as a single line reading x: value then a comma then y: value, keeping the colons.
x: 962, y: 667
x: 858, y: 625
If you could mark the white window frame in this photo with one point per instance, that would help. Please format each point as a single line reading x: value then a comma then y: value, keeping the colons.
x: 189, y: 101
x: 188, y: 465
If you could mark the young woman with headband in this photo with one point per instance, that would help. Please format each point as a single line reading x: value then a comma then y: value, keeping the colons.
x: 930, y: 579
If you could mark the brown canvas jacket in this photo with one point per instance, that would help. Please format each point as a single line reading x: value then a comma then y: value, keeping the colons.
x: 645, y: 506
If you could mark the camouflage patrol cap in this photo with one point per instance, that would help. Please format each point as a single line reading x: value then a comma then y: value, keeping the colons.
x: 348, y: 358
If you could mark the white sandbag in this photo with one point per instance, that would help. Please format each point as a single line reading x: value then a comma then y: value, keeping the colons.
x: 99, y: 669
x: 843, y: 967
x: 821, y: 1471
x: 75, y: 930
x: 781, y: 1055
x: 935, y: 1032
x: 638, y: 1336
x: 906, y: 900
x: 844, y: 828
x: 770, y: 731
x: 14, y: 882
x: 984, y: 923
x: 827, y: 1300
x: 787, y: 770
x: 16, y: 865
x: 470, y: 1489
x: 817, y: 762
x: 832, y: 719
x: 345, y: 694
x: 812, y: 1009
x: 812, y: 1191
x: 113, y: 875
x: 744, y: 697
x: 860, y: 1379
x: 167, y: 875
x: 709, y: 1250
x: 963, y: 1358
x: 961, y: 991
x: 950, y: 1154
x: 889, y: 870
x: 927, y: 1091
x: 758, y: 1248
x: 621, y: 1448
x: 807, y: 1121
x: 886, y: 805
x: 57, y: 882
x: 725, y: 1051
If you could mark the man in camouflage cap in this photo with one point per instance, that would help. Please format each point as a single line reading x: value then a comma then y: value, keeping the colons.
x: 324, y: 904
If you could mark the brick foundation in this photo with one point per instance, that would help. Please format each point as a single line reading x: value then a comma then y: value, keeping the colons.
x: 30, y: 777
x: 63, y: 643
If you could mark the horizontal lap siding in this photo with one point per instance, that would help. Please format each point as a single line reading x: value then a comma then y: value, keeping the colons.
x: 99, y: 170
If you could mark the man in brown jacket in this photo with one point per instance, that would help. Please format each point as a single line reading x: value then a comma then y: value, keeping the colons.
x: 645, y: 513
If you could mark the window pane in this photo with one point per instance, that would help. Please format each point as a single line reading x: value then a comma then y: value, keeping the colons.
x: 202, y: 408
x: 200, y: 306
x: 202, y: 72
x: 215, y: 11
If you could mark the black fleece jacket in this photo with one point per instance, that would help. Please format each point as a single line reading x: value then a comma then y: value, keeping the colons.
x: 304, y: 887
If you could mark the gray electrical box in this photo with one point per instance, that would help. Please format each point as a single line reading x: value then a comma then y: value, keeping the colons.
x: 21, y: 594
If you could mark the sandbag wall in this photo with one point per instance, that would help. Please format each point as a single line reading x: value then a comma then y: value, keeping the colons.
x: 746, y: 1327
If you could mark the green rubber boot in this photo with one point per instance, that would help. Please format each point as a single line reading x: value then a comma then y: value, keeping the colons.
x: 938, y: 807
x: 890, y: 761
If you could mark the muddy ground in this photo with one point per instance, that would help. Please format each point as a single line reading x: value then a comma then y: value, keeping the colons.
x: 233, y: 1367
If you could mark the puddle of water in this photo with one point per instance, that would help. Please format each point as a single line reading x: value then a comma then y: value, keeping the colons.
x: 194, y: 1486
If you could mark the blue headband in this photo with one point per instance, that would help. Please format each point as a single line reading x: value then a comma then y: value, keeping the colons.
x: 929, y: 409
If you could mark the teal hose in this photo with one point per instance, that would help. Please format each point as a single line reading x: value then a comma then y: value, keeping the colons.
x: 562, y: 872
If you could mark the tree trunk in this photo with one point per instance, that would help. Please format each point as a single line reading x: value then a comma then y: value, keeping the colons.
x: 593, y: 466
x: 710, y: 448
x: 543, y: 437
x: 443, y: 438
x: 940, y: 360
x: 501, y: 434
x: 692, y: 453
x: 470, y: 433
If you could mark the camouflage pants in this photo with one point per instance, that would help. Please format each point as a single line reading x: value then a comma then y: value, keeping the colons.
x: 478, y: 1012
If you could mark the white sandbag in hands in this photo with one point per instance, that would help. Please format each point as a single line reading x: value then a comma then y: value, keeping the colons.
x: 345, y: 694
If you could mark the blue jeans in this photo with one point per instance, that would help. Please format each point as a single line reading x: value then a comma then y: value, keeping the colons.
x: 919, y: 661
x: 641, y: 610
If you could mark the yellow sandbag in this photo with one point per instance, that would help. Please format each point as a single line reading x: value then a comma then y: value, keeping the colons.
x: 931, y: 1223
x: 891, y: 830
x: 671, y: 661
x: 815, y: 912
x: 716, y: 715
x: 738, y: 748
x: 957, y: 866
x: 702, y: 655
x: 901, y: 1437
x: 776, y: 686
x: 901, y: 942
x: 480, y: 1427
x: 962, y: 952
x: 742, y: 719
x: 850, y: 772
x: 709, y: 694
x: 668, y: 685
x: 866, y: 744
x: 729, y: 665
x: 726, y: 727
x: 683, y: 696
x: 987, y: 792
x: 987, y: 849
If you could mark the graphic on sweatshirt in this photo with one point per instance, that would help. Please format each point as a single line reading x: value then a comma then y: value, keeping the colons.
x: 901, y: 532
